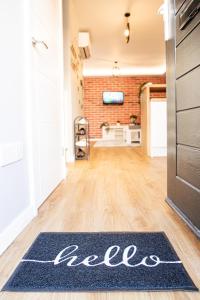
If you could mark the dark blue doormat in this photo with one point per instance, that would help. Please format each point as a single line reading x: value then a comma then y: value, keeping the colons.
x: 100, y: 262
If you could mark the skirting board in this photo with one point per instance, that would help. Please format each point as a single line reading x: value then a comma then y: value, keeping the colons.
x: 158, y: 151
x: 95, y: 139
x: 71, y: 159
x: 16, y: 227
x: 183, y: 216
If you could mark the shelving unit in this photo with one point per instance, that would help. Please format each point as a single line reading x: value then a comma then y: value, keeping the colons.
x: 81, y: 138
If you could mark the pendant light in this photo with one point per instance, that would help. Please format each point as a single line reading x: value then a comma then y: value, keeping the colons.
x: 127, y: 28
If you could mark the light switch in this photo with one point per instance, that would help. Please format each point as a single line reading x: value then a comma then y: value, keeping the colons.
x: 10, y: 153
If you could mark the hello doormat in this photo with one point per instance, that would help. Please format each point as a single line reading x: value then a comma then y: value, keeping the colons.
x: 100, y: 262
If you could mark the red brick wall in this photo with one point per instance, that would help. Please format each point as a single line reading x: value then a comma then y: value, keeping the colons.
x: 98, y: 113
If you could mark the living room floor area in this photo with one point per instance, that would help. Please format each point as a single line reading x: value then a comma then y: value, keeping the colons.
x: 117, y: 189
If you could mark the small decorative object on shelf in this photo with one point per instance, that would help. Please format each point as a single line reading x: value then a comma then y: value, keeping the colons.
x: 81, y: 138
x: 118, y: 123
x: 80, y: 153
x: 82, y: 131
x: 105, y: 125
x: 133, y: 119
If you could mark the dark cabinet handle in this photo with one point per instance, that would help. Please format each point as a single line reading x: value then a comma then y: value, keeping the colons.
x: 190, y: 11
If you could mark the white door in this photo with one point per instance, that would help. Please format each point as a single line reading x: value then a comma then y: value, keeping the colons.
x: 47, y: 97
x: 158, y: 127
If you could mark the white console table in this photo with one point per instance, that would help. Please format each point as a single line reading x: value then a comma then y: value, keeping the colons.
x: 122, y: 133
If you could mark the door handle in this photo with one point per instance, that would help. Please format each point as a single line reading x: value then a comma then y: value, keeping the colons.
x: 35, y: 42
x: 190, y: 11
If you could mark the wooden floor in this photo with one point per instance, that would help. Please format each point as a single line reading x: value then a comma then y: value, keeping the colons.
x: 117, y: 190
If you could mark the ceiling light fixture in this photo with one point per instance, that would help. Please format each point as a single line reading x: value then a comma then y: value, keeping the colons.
x: 115, y: 69
x: 127, y: 28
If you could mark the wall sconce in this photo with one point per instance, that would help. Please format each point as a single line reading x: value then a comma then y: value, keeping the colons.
x: 115, y: 69
x: 127, y: 28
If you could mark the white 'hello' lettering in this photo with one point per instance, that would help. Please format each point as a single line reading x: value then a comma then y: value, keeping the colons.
x: 112, y: 252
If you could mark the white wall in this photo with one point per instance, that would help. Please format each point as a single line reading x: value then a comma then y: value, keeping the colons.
x: 73, y: 103
x: 158, y: 127
x: 14, y: 178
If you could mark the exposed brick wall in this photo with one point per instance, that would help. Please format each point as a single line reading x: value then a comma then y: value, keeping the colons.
x: 157, y: 95
x: 98, y: 113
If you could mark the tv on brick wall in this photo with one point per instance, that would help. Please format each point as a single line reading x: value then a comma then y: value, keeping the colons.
x: 113, y: 97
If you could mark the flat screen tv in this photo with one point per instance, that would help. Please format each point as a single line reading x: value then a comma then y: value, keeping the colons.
x: 113, y: 97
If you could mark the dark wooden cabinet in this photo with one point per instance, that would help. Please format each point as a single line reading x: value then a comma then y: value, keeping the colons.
x: 188, y: 165
x: 183, y: 97
x: 181, y: 33
x: 179, y: 3
x: 188, y: 53
x: 188, y: 127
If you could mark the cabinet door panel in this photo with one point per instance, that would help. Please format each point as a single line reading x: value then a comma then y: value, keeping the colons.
x: 188, y: 165
x: 188, y: 129
x: 188, y: 53
x: 179, y: 3
x: 186, y: 10
x: 188, y: 97
x: 188, y: 201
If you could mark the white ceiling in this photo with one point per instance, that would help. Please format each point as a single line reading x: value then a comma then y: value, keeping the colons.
x: 105, y: 21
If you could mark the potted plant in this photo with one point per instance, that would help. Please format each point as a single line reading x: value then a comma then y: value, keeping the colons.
x: 133, y: 119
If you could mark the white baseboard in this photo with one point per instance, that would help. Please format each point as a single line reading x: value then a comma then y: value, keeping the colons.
x: 95, y: 139
x: 158, y: 151
x: 71, y: 158
x: 66, y: 171
x: 16, y: 227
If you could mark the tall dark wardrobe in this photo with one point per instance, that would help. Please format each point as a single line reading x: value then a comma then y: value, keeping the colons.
x: 183, y: 98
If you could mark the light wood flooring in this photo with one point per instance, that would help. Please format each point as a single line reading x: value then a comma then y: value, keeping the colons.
x: 117, y: 190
